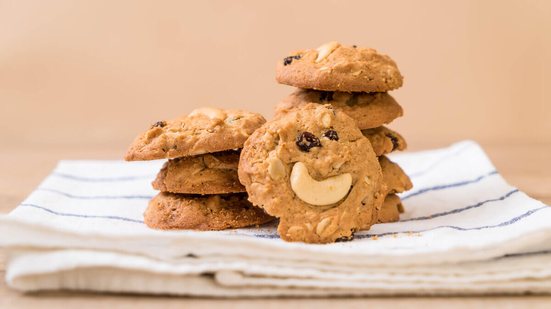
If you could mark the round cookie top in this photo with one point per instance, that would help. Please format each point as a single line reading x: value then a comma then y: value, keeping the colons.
x: 204, y: 130
x: 314, y: 170
x: 369, y: 110
x: 335, y: 67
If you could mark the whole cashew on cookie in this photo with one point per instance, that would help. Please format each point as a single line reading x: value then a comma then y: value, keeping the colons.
x: 319, y: 193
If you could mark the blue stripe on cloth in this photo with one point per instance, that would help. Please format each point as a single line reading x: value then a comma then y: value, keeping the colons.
x: 95, y: 197
x: 63, y: 214
x: 542, y: 252
x: 102, y: 179
x: 405, y: 197
x: 458, y: 228
x: 447, y: 186
x: 458, y: 210
x: 358, y: 236
x: 439, y: 160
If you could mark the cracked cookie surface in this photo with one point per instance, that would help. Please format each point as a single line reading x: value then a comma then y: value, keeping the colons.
x: 336, y: 67
x: 213, y: 173
x: 369, y: 110
x: 204, y: 130
x: 205, y: 213
x: 315, y: 171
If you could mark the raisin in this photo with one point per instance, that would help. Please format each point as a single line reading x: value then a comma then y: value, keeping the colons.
x: 331, y: 134
x: 289, y: 60
x: 355, y: 46
x: 394, y: 139
x: 326, y: 96
x: 306, y: 141
x: 159, y: 124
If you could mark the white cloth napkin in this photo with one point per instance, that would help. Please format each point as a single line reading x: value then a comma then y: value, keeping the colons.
x: 465, y: 231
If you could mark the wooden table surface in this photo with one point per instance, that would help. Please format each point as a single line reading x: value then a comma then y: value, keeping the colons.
x: 525, y: 166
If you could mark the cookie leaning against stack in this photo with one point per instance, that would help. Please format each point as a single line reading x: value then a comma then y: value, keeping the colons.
x: 356, y: 81
x: 199, y: 183
x: 314, y: 170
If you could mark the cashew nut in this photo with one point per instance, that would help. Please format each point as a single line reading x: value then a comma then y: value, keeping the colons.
x: 276, y: 169
x: 326, y: 120
x: 326, y: 49
x: 319, y: 193
x: 322, y: 226
x: 212, y: 113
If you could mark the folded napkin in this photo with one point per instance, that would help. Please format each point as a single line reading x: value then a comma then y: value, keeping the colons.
x: 465, y: 231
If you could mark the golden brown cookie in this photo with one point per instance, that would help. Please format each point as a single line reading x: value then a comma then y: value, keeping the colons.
x: 369, y: 110
x: 315, y: 171
x: 335, y: 67
x: 212, y: 173
x: 395, y: 181
x: 211, y: 212
x: 204, y: 130
x: 390, y: 212
x: 384, y: 140
x: 394, y: 177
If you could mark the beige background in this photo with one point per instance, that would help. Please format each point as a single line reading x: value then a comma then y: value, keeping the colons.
x: 101, y: 71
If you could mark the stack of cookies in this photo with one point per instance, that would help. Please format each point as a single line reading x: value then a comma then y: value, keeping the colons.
x: 199, y: 186
x: 356, y: 81
x: 319, y: 166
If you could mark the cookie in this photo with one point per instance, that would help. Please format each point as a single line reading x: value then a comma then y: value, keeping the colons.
x: 369, y: 110
x: 335, y: 67
x: 205, y: 213
x: 394, y: 177
x: 390, y: 212
x: 315, y: 171
x: 213, y: 173
x: 395, y: 181
x: 204, y: 130
x: 384, y: 140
